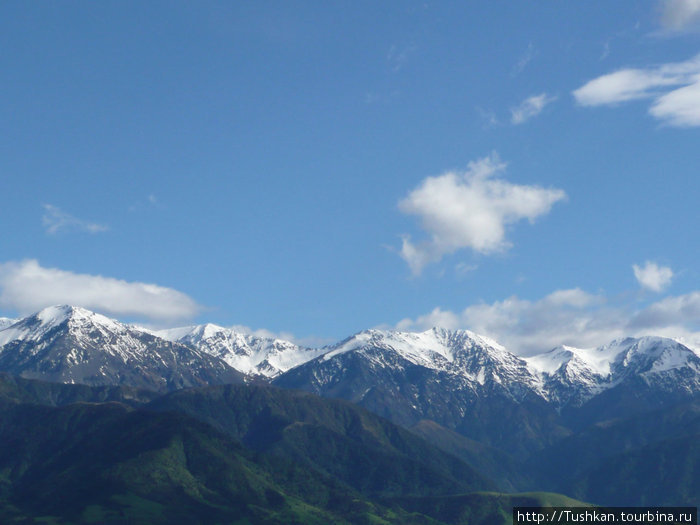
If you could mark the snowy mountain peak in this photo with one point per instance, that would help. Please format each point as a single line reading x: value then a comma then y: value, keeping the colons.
x: 427, y: 348
x: 209, y: 330
x: 247, y: 353
x: 58, y: 313
x: 192, y: 332
x: 461, y: 354
x: 564, y: 357
x: 36, y: 326
x: 76, y: 316
x: 614, y: 356
x: 576, y: 374
x: 564, y: 375
x: 648, y: 355
x: 74, y: 345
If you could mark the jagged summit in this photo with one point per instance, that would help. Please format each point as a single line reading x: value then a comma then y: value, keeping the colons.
x: 649, y: 354
x: 61, y: 312
x: 573, y: 365
x: 642, y: 354
x: 463, y: 353
x: 423, y: 347
x: 250, y: 354
x: 574, y: 375
x: 37, y: 325
x: 459, y: 356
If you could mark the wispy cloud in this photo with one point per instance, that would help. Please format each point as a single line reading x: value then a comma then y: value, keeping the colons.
x: 462, y: 268
x: 675, y: 313
x: 470, y: 209
x: 524, y: 60
x: 530, y: 107
x: 652, y: 276
x: 680, y: 15
x: 572, y: 317
x: 56, y: 220
x: 674, y: 89
x: 488, y: 117
x: 397, y: 57
x: 150, y: 202
x: 26, y: 286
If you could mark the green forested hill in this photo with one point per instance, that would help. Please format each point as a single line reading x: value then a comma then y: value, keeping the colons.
x: 257, y: 454
x: 303, y: 459
x: 106, y: 463
x: 333, y: 437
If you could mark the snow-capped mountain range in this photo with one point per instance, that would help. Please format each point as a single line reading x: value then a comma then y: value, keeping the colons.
x: 562, y: 375
x: 71, y: 344
x: 518, y: 419
x: 574, y: 375
x: 247, y: 353
x: 478, y: 362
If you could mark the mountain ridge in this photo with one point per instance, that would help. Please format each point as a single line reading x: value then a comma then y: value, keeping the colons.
x: 73, y: 345
x: 247, y: 353
x: 561, y: 376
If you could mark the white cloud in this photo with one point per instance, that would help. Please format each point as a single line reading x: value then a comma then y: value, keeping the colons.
x: 674, y: 89
x: 470, y: 209
x: 652, y: 276
x: 56, y: 220
x: 680, y: 107
x: 572, y: 317
x: 680, y: 15
x: 530, y: 107
x: 620, y: 86
x: 671, y: 311
x: 26, y: 286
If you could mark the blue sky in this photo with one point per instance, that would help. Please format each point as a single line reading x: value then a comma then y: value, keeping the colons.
x: 527, y: 170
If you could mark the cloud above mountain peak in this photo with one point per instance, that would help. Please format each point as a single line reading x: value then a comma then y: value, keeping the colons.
x: 26, y: 286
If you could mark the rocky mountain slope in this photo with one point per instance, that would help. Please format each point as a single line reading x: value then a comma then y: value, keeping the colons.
x: 72, y: 345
